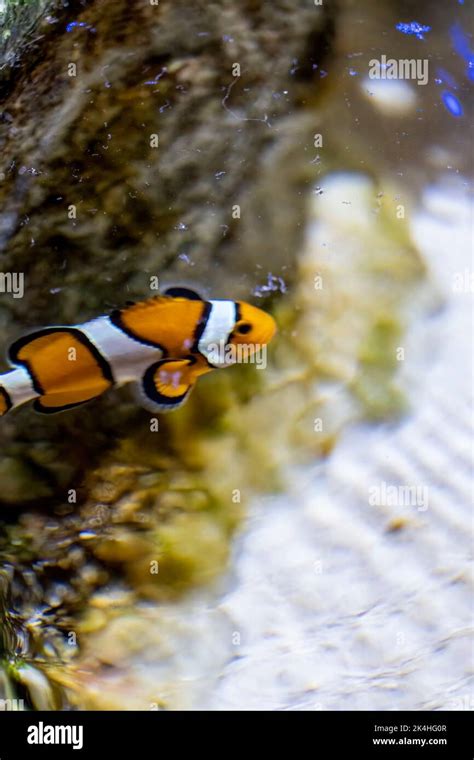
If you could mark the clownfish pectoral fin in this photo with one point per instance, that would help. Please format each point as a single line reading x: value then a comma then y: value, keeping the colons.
x: 166, y: 385
x: 178, y: 292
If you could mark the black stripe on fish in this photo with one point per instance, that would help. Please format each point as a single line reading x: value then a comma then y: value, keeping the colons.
x: 200, y: 327
x: 179, y: 292
x: 38, y: 406
x: 6, y: 396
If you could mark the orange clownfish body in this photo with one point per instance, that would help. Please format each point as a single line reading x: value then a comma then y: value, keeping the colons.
x: 161, y: 345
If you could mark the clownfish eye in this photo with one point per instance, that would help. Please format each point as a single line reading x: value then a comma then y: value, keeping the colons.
x: 243, y: 328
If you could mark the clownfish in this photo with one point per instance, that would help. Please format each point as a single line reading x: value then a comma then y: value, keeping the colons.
x: 161, y: 345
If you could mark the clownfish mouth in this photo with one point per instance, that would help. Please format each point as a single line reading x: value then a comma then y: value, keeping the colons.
x: 225, y: 353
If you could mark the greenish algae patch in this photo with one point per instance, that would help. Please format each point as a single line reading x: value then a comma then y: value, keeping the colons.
x: 375, y: 387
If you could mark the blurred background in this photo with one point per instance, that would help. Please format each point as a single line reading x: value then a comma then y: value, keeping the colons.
x: 311, y: 524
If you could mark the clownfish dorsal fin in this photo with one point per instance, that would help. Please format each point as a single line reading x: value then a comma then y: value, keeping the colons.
x: 139, y: 305
x: 166, y: 384
x: 162, y: 298
x: 179, y: 292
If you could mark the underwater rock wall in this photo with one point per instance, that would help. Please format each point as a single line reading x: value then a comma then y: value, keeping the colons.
x: 138, y: 140
x: 131, y: 151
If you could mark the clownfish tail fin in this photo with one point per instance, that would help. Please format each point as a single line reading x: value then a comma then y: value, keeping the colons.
x: 15, y: 389
x: 5, y: 400
x: 59, y: 367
